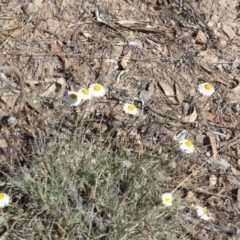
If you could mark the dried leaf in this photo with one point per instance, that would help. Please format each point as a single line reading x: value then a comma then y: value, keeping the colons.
x: 30, y: 8
x: 120, y: 74
x: 50, y: 90
x: 213, y: 144
x: 31, y: 83
x: 180, y: 136
x: 209, y: 115
x: 217, y: 79
x: 131, y: 43
x: 238, y: 198
x: 18, y: 32
x: 87, y: 35
x: 54, y: 87
x: 9, y: 98
x: 233, y: 180
x: 5, y: 235
x: 201, y: 37
x: 10, y: 25
x: 191, y: 117
x: 168, y: 90
x: 12, y: 71
x: 3, y: 143
x: 228, y: 30
x: 205, y: 66
x: 179, y: 95
x: 125, y: 59
x: 235, y: 64
x: 145, y: 95
x: 220, y: 163
x: 210, y: 57
x: 8, y: 82
x: 3, y: 59
x: 57, y: 50
x: 236, y: 87
x: 235, y: 171
x: 62, y: 88
x: 190, y: 196
x: 38, y: 3
x: 212, y: 181
x: 127, y: 23
x: 227, y: 185
x: 35, y: 106
x: 127, y: 164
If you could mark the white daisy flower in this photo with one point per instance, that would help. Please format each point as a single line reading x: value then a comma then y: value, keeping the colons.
x: 97, y: 90
x: 130, y: 109
x: 203, y: 213
x: 73, y: 98
x: 4, y: 200
x: 167, y: 199
x: 85, y: 94
x: 206, y: 89
x: 186, y: 146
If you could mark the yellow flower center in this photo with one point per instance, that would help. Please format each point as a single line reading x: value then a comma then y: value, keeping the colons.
x: 167, y: 200
x: 85, y: 91
x: 205, y: 211
x: 74, y: 96
x: 97, y: 88
x: 2, y: 196
x: 208, y: 86
x: 188, y: 144
x: 131, y: 107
